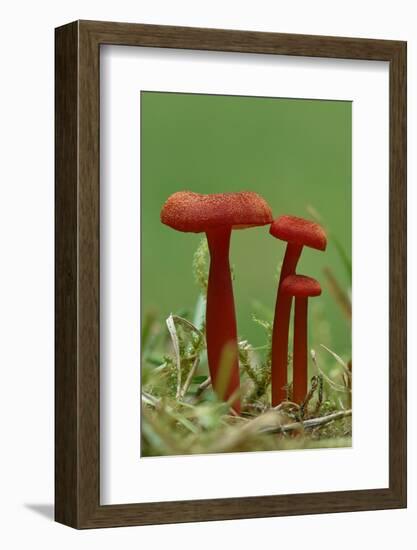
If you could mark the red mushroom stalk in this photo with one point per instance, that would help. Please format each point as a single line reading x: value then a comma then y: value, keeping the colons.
x: 279, y: 352
x: 300, y: 351
x: 298, y: 232
x: 301, y: 288
x: 221, y: 332
x: 217, y: 215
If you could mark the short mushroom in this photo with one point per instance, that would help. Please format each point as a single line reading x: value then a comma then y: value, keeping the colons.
x: 298, y: 232
x: 216, y: 215
x: 302, y: 288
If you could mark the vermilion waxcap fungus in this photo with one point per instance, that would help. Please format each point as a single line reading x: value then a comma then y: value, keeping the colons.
x: 217, y: 215
x: 302, y: 288
x: 197, y: 213
x: 298, y: 232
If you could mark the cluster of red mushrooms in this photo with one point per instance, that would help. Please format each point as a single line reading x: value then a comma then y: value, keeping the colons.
x: 216, y: 215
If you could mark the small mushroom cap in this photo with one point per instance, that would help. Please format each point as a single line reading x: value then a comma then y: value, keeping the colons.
x: 196, y: 213
x: 299, y: 231
x: 300, y: 286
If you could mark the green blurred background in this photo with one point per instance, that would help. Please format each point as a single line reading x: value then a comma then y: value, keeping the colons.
x: 296, y: 153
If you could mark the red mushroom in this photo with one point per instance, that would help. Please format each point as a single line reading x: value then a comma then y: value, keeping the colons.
x: 298, y: 232
x: 301, y: 287
x: 217, y: 215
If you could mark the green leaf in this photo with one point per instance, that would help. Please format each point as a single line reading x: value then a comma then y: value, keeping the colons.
x: 199, y: 379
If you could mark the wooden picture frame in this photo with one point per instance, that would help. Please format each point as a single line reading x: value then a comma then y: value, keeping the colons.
x: 77, y: 373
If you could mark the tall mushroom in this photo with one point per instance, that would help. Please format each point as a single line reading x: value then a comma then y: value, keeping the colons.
x: 298, y: 232
x: 216, y: 215
x: 302, y: 288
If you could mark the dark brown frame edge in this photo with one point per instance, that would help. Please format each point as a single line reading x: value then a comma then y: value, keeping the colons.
x: 77, y: 274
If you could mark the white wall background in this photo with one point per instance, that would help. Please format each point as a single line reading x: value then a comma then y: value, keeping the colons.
x: 26, y: 270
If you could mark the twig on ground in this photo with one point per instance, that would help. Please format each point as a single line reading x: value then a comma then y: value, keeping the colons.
x: 320, y: 395
x: 310, y: 423
x: 287, y: 405
x: 309, y: 396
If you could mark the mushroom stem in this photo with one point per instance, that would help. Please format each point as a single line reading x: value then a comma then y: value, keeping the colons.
x: 300, y: 366
x: 279, y: 356
x: 221, y: 332
x: 289, y: 265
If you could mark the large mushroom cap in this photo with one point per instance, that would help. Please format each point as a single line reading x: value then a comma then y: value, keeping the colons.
x: 300, y: 286
x: 299, y: 231
x: 195, y: 213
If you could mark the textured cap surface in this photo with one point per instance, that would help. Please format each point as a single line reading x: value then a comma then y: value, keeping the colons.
x: 195, y: 213
x: 299, y: 231
x: 300, y: 286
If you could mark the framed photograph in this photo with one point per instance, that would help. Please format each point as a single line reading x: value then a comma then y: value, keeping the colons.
x: 230, y: 274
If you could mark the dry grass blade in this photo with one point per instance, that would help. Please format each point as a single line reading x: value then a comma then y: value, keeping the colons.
x: 203, y: 386
x: 149, y: 399
x: 175, y: 342
x: 189, y: 378
x: 340, y: 296
x: 162, y: 440
x: 333, y: 385
x: 339, y: 360
x: 156, y: 403
x: 233, y: 438
x: 186, y: 324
